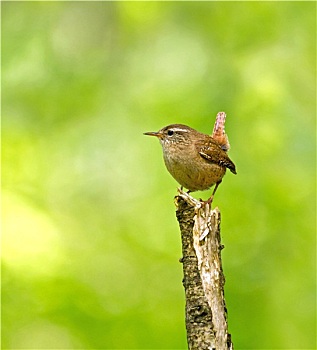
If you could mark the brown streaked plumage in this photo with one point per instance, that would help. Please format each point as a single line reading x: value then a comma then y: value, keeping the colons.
x: 195, y: 160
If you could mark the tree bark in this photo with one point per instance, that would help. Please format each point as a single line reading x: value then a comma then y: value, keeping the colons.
x: 206, y: 313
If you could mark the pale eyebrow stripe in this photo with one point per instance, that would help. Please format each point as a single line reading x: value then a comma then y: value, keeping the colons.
x: 179, y: 129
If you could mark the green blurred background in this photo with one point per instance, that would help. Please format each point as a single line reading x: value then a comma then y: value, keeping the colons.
x: 90, y: 242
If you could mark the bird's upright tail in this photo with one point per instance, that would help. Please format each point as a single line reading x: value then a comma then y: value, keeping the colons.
x: 219, y: 133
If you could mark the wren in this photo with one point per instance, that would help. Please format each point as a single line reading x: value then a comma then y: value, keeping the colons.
x: 196, y: 161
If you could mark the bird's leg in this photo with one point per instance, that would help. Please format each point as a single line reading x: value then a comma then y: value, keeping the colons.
x: 209, y: 201
x: 188, y: 192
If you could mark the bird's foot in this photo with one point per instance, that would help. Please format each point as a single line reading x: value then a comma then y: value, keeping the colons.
x: 185, y: 195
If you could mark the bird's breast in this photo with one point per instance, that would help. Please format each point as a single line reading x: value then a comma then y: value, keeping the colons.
x: 193, y: 174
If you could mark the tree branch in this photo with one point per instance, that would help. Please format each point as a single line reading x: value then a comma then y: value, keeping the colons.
x: 206, y: 313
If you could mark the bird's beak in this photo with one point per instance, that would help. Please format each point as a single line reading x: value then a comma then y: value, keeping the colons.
x: 152, y: 133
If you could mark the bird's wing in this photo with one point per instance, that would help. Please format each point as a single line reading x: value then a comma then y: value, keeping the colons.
x: 212, y: 152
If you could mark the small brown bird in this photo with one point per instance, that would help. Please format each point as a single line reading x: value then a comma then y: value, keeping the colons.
x: 196, y: 161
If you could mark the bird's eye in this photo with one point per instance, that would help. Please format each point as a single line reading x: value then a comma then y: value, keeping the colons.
x: 170, y: 132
